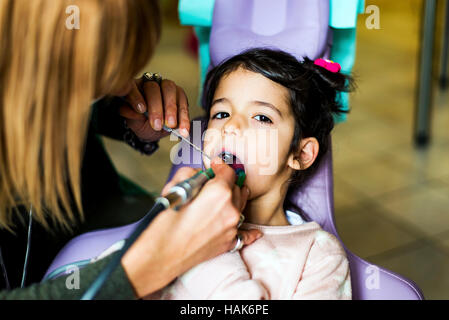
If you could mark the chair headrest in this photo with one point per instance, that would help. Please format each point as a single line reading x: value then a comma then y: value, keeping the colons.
x: 299, y: 27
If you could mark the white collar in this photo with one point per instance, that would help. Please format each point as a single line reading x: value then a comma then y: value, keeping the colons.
x: 294, y: 218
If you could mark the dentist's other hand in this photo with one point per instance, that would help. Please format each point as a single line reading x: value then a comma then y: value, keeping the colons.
x: 166, y: 104
x: 177, y: 241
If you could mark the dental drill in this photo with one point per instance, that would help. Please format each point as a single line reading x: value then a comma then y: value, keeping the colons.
x: 179, y: 195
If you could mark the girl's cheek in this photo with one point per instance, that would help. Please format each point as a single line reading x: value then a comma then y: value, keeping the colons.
x: 267, y: 146
x: 212, y: 143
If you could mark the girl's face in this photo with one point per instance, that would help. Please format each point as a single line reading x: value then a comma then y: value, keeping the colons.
x: 251, y: 118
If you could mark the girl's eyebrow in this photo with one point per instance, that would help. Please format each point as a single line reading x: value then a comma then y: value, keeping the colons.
x: 269, y: 105
x: 256, y: 102
x: 221, y: 100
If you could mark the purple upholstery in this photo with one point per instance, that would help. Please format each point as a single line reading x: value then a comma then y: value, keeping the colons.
x: 89, y: 245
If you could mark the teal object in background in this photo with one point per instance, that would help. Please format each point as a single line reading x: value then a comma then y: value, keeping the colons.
x: 343, y: 13
x: 199, y: 13
x: 343, y: 51
x: 342, y: 20
x: 203, y: 35
x: 196, y: 13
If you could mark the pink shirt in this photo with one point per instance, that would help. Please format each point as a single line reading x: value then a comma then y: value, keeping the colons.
x: 288, y: 262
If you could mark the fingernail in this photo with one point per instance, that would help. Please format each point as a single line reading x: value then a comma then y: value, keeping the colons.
x: 157, y: 124
x: 184, y: 132
x: 141, y: 108
x: 171, y: 121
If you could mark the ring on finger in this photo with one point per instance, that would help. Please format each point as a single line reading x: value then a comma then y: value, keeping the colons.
x: 242, y: 219
x: 239, y: 244
x: 148, y: 76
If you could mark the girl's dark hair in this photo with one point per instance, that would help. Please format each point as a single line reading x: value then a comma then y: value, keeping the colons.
x: 312, y: 89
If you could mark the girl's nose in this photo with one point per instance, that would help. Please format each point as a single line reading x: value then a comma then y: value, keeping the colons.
x: 232, y: 127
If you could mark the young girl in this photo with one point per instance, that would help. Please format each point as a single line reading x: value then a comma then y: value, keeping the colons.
x: 265, y: 102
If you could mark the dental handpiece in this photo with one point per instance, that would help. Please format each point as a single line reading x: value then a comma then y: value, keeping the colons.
x: 180, y: 194
x: 186, y: 190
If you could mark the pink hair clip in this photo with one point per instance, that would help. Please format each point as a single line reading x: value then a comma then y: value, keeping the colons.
x: 328, y: 65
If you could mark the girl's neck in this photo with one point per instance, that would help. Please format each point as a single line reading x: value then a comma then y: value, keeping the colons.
x: 267, y: 209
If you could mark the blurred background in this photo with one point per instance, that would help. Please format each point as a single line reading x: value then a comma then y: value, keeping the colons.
x: 391, y: 198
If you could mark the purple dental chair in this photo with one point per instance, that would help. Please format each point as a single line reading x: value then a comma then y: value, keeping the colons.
x: 299, y: 27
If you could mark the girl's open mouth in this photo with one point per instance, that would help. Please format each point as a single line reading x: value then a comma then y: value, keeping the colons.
x: 232, y: 160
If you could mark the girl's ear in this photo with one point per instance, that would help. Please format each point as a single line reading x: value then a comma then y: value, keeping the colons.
x: 306, y: 154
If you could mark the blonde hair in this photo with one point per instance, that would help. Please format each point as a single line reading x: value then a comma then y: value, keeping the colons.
x: 49, y: 75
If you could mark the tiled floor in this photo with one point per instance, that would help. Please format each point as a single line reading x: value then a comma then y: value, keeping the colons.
x: 391, y: 200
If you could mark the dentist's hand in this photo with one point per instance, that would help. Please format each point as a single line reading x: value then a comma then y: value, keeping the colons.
x: 177, y: 241
x: 166, y: 104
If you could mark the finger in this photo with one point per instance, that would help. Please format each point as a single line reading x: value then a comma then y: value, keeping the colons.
x: 180, y: 175
x: 154, y: 99
x: 136, y: 99
x: 129, y: 113
x: 223, y: 171
x: 244, y: 197
x: 183, y: 112
x: 236, y: 196
x: 249, y: 236
x: 169, y: 93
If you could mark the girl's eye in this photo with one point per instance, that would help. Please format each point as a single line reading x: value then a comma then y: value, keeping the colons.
x: 220, y: 115
x: 262, y: 118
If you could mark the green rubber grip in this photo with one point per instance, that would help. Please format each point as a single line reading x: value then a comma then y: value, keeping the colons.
x: 240, y: 178
x: 209, y: 173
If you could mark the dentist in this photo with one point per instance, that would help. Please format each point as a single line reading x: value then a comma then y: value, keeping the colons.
x: 52, y: 169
